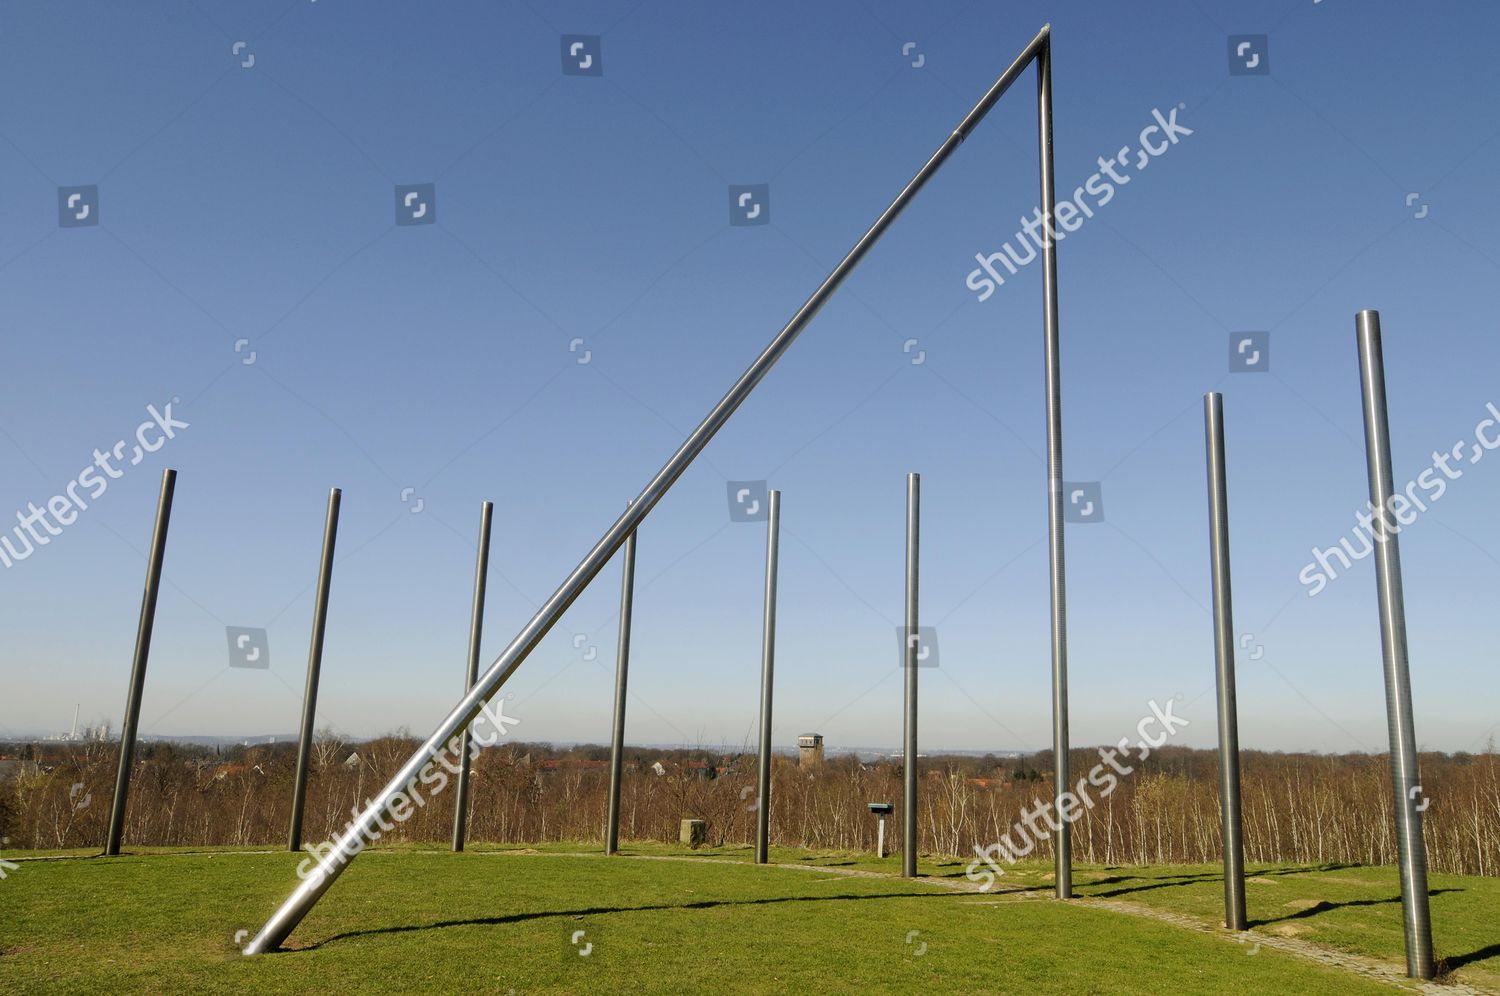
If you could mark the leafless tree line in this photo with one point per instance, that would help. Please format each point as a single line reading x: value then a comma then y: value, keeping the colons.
x: 1297, y: 808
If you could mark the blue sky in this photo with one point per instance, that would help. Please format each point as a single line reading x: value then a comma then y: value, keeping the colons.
x: 256, y: 203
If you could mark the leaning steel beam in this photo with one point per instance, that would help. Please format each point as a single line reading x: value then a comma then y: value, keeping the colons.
x: 476, y: 634
x: 1230, y: 824
x: 767, y: 680
x: 359, y: 833
x: 314, y: 669
x: 142, y: 654
x: 1411, y: 848
x: 622, y: 685
x: 910, y: 639
x: 1063, y: 840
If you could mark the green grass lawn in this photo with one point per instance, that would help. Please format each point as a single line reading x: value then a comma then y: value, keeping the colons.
x: 483, y: 921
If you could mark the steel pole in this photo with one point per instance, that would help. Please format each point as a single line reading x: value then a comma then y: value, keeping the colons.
x: 138, y: 667
x: 913, y: 639
x: 767, y: 668
x: 1405, y: 781
x: 1229, y: 724
x: 1063, y: 838
x: 302, y: 899
x: 622, y: 669
x: 314, y: 668
x: 476, y: 629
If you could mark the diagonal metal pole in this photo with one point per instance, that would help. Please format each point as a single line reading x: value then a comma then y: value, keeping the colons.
x: 476, y: 630
x: 314, y: 669
x: 1063, y: 838
x: 138, y: 668
x: 767, y: 670
x: 1229, y: 724
x: 909, y: 649
x: 1411, y: 849
x: 302, y: 899
x: 622, y: 676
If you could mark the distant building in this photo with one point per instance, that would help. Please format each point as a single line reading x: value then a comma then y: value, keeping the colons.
x: 809, y: 750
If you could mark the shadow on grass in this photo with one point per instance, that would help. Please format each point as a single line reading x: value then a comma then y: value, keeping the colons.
x: 1327, y: 907
x: 495, y: 921
x: 1452, y: 964
x: 1194, y: 878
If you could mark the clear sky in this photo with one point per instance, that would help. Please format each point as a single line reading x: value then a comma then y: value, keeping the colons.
x: 258, y: 202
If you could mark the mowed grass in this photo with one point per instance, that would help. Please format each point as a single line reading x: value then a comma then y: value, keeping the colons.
x: 1355, y: 908
x: 401, y: 920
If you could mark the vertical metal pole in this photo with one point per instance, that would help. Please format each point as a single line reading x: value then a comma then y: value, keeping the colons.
x: 913, y: 638
x: 880, y: 838
x: 138, y: 668
x: 767, y: 667
x: 476, y: 629
x: 1405, y: 780
x: 314, y: 668
x: 1229, y: 724
x: 1063, y: 839
x: 622, y: 670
